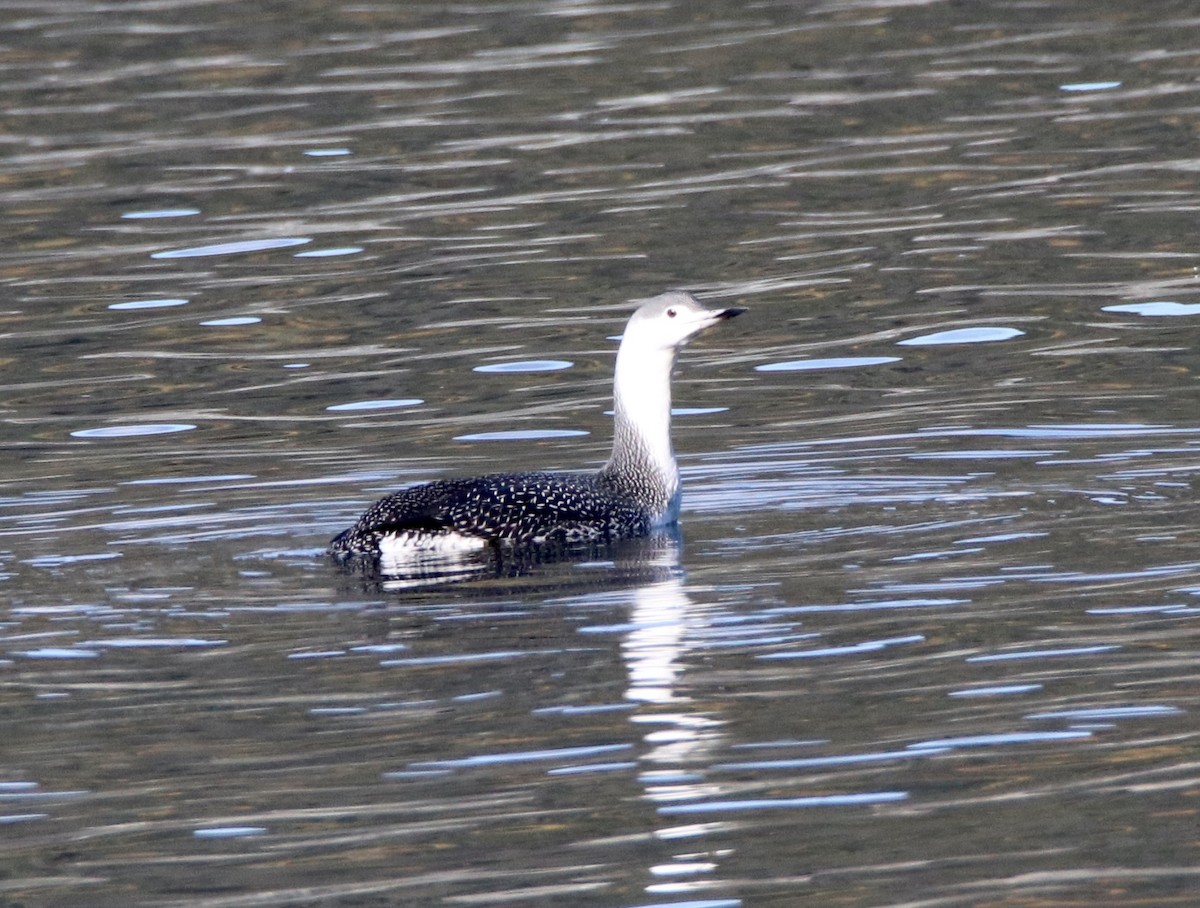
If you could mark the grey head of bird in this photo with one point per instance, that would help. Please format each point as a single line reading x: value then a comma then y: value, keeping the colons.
x: 668, y: 321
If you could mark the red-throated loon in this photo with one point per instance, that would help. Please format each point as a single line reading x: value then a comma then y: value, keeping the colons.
x: 634, y: 493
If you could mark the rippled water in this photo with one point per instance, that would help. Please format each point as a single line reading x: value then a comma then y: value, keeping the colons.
x: 930, y: 635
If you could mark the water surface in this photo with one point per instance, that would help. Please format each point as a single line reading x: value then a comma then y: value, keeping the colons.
x: 929, y: 635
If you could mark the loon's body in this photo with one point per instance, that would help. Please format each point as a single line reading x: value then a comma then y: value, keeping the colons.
x: 634, y: 493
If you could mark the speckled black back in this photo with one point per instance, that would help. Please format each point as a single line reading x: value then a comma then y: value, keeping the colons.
x: 502, y: 507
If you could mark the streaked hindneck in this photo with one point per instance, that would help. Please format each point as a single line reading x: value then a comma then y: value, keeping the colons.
x: 642, y: 459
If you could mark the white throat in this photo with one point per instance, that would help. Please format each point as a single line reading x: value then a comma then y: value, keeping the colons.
x: 642, y: 447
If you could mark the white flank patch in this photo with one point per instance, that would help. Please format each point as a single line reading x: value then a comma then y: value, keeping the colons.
x: 425, y: 555
x: 409, y: 546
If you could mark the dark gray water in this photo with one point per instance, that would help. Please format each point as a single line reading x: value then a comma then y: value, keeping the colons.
x: 931, y: 636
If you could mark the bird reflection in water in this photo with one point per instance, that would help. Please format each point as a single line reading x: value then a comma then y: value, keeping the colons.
x: 679, y: 739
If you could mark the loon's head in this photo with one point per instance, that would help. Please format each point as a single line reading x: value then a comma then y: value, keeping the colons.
x: 668, y: 321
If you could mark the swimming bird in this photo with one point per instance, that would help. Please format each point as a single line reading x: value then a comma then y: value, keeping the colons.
x: 634, y: 493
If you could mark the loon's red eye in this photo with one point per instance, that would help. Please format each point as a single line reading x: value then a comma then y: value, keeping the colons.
x: 670, y: 313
